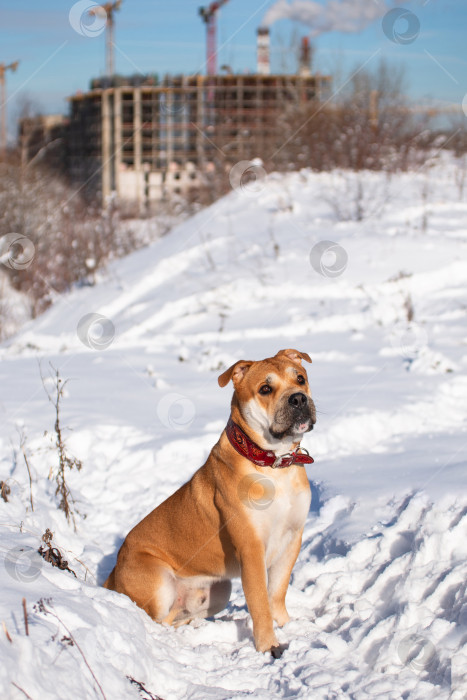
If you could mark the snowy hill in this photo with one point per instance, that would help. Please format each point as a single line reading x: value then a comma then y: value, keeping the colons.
x: 378, y: 595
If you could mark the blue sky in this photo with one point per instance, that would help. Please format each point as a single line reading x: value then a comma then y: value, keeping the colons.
x: 168, y: 36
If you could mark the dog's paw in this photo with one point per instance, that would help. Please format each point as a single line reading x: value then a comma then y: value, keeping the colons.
x: 278, y: 650
x: 266, y: 642
x: 281, y: 617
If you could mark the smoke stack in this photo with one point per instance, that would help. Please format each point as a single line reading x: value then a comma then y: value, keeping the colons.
x: 263, y: 64
x: 304, y: 67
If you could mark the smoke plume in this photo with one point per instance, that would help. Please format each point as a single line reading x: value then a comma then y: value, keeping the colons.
x: 334, y: 16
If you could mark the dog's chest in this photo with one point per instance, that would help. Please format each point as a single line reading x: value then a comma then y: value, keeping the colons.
x: 281, y: 514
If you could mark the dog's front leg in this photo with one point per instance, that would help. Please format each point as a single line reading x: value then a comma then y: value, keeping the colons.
x: 279, y: 577
x: 253, y: 574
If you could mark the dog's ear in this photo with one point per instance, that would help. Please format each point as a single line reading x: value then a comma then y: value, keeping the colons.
x: 294, y: 355
x: 235, y: 373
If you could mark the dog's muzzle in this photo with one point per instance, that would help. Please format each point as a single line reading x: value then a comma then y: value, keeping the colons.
x: 295, y: 416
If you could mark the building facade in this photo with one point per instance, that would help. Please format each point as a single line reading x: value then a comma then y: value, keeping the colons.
x: 147, y: 141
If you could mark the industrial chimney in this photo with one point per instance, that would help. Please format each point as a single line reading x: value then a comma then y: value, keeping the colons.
x: 304, y: 62
x: 263, y: 64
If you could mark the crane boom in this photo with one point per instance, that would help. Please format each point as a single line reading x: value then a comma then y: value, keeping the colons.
x: 209, y: 16
x: 107, y: 9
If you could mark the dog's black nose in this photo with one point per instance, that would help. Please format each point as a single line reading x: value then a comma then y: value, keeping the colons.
x: 297, y: 400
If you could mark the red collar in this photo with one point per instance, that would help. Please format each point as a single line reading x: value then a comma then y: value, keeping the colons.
x: 263, y: 458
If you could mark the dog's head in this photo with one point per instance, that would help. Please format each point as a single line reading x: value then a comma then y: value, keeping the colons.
x: 273, y: 396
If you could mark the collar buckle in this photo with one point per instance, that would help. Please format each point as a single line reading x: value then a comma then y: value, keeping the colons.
x: 302, y: 451
x: 283, y: 460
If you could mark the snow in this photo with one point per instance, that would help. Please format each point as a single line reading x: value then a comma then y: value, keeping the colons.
x: 378, y: 595
x: 15, y: 308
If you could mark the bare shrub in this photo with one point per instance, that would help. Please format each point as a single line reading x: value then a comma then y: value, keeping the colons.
x: 368, y: 126
x: 66, y: 461
x: 72, y: 238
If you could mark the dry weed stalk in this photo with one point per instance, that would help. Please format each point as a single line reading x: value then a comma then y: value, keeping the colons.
x: 22, y: 444
x: 65, y: 460
x: 25, y: 615
x: 45, y: 606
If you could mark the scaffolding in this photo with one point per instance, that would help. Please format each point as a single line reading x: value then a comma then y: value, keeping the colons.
x: 148, y: 141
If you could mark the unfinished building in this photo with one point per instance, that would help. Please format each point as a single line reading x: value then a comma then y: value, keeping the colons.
x: 146, y: 139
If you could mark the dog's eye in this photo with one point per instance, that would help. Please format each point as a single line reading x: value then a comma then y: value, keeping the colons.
x: 301, y: 379
x: 265, y: 389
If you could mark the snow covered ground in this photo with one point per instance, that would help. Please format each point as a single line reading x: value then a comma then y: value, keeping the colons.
x: 378, y: 595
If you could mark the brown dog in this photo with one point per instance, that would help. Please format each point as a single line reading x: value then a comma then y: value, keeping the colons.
x: 242, y: 513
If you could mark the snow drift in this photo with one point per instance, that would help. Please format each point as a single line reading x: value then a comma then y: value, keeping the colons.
x: 378, y: 595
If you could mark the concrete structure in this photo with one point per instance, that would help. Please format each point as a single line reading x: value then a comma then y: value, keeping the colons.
x: 148, y: 141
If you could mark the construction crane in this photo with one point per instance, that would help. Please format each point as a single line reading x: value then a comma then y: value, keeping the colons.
x: 106, y: 11
x: 3, y: 70
x: 209, y: 16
